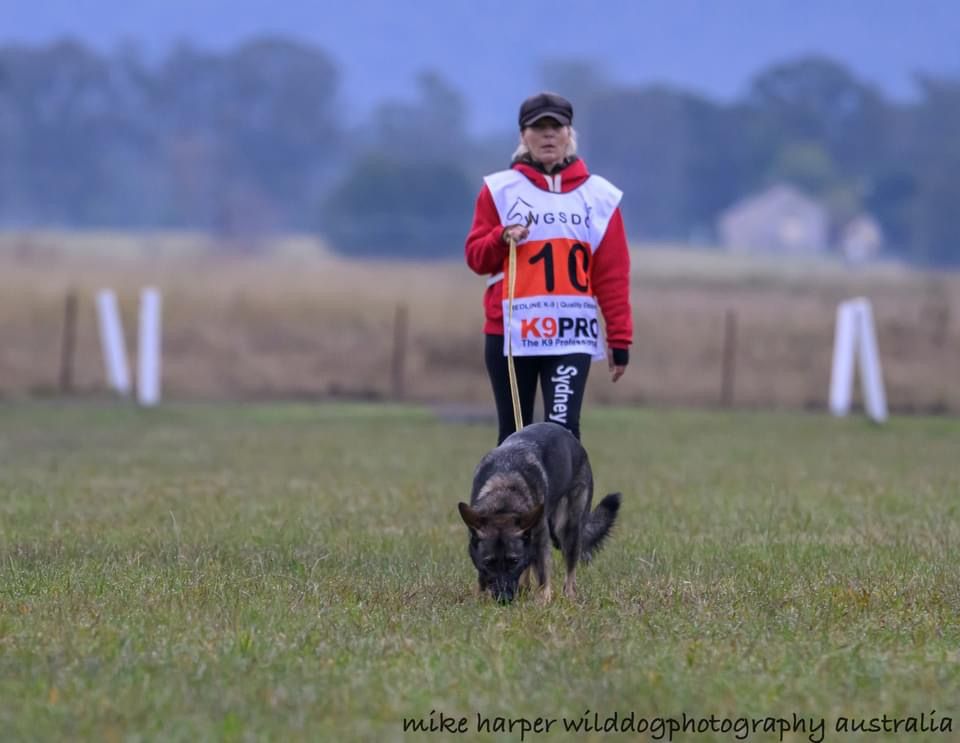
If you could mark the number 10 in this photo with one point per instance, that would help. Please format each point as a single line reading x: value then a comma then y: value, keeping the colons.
x: 546, y: 255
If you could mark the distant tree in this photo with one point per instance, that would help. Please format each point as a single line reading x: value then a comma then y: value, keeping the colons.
x: 891, y: 196
x: 723, y: 166
x: 431, y: 127
x: 678, y: 157
x: 935, y: 233
x: 579, y: 80
x: 407, y: 194
x: 64, y: 110
x: 804, y: 164
x: 263, y: 116
x: 809, y: 166
x: 815, y: 99
x: 647, y: 158
x: 490, y: 153
x: 88, y: 139
x: 250, y: 140
x: 387, y: 207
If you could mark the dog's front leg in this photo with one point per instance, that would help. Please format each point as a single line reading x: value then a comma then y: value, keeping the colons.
x: 481, y: 587
x: 542, y: 564
x: 526, y: 579
x: 570, y: 583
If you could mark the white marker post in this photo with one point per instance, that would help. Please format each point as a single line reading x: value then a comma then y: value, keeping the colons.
x: 856, y: 341
x: 844, y: 352
x: 148, y: 361
x: 111, y: 341
x: 875, y: 398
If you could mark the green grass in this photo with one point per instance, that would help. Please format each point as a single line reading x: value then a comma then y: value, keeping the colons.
x: 300, y: 573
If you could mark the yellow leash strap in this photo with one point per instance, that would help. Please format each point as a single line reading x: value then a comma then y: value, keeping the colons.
x: 511, y: 283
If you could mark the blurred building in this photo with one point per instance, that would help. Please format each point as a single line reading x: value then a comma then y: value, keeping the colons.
x: 780, y: 220
x: 861, y: 239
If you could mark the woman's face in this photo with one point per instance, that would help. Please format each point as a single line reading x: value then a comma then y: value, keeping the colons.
x: 547, y: 140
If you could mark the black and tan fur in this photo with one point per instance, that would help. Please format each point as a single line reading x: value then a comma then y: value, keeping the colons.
x: 534, y: 489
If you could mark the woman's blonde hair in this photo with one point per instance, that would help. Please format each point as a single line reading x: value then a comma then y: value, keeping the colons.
x: 571, y: 150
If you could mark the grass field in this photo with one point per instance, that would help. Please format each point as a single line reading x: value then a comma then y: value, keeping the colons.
x: 286, y: 572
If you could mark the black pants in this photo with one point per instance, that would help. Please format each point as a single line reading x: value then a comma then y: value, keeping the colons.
x: 563, y: 380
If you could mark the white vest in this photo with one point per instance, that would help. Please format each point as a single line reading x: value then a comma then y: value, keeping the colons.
x: 556, y: 314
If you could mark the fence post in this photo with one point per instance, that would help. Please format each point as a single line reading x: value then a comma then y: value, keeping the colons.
x: 729, y: 358
x: 68, y: 343
x: 400, y: 322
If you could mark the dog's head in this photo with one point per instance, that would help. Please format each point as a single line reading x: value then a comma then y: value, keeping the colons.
x: 501, y: 548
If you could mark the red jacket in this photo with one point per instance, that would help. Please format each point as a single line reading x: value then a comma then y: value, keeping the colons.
x: 610, y: 274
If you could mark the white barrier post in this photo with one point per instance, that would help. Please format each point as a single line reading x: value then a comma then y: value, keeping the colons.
x: 874, y: 397
x: 111, y: 341
x: 841, y: 376
x: 148, y: 360
x: 856, y: 341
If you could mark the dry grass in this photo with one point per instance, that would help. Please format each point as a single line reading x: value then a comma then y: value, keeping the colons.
x: 297, y: 321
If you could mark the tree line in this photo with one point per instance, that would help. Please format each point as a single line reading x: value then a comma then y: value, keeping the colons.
x: 251, y: 141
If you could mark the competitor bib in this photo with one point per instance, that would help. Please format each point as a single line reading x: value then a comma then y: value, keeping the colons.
x: 554, y: 309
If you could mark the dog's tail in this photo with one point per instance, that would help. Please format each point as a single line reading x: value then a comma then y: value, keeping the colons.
x: 599, y: 524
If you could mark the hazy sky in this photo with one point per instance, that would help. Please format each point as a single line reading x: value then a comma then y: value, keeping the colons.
x: 492, y: 49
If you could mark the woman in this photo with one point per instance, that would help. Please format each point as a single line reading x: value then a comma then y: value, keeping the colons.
x: 571, y: 257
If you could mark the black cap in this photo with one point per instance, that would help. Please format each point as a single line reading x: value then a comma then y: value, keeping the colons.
x: 539, y: 106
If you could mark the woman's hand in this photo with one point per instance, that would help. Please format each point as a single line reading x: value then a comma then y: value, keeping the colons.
x: 617, y: 359
x: 616, y: 371
x: 517, y: 231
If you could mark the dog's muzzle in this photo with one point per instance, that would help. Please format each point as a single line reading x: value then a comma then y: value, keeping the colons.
x: 503, y: 593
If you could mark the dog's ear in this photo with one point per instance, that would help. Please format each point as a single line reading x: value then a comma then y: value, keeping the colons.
x: 470, y: 517
x: 531, y: 518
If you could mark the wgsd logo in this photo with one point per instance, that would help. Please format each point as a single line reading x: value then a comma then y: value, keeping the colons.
x: 522, y: 212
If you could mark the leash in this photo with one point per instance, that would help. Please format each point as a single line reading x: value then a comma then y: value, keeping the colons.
x: 511, y: 289
x: 511, y: 283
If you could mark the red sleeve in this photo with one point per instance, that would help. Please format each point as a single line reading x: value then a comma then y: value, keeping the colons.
x: 485, y: 251
x: 611, y: 283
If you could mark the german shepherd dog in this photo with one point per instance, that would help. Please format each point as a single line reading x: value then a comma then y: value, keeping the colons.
x: 536, y: 487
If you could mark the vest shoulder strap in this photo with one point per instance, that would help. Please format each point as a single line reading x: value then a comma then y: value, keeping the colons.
x: 604, y: 198
x: 502, y: 178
